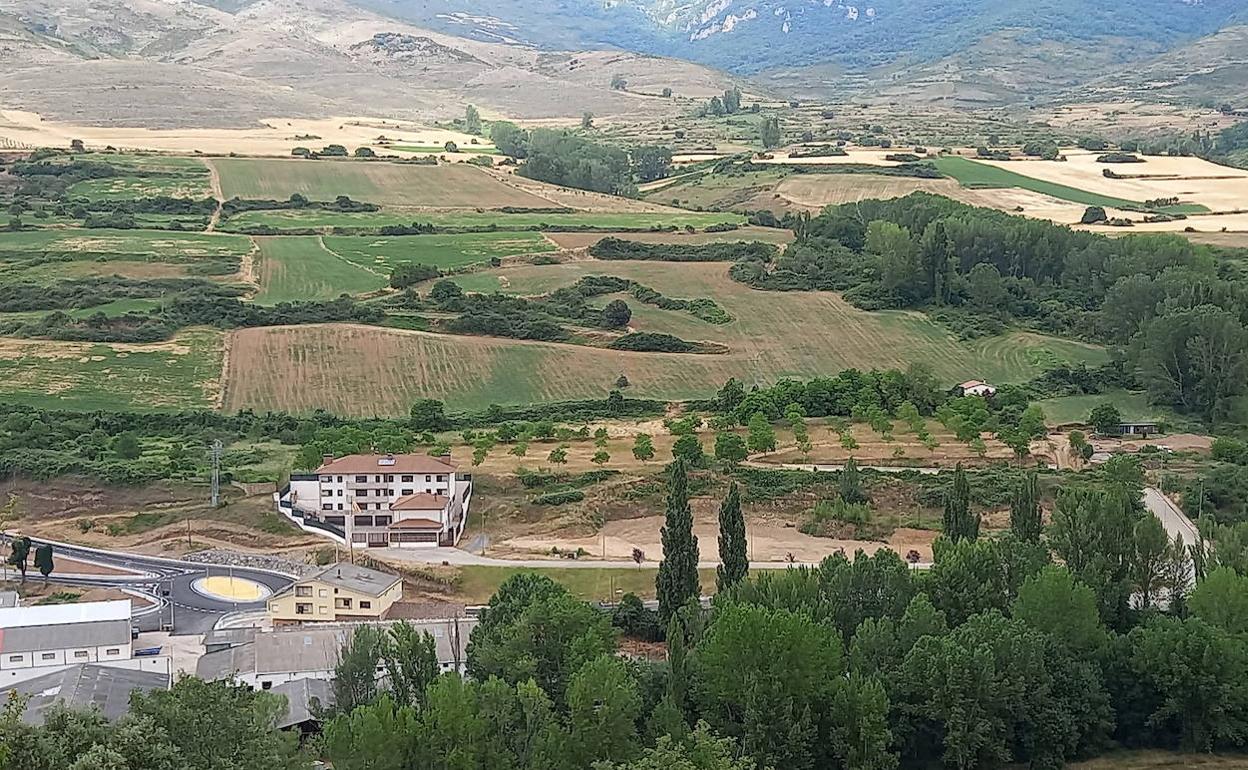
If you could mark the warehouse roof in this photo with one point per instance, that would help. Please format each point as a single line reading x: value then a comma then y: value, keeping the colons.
x: 86, y: 686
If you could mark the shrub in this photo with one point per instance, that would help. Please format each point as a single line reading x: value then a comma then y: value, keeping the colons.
x: 560, y: 497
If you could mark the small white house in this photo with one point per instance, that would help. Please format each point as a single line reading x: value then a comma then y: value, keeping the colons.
x: 977, y: 388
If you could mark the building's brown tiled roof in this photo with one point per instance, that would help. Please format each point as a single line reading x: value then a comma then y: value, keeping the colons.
x: 425, y: 611
x: 416, y: 524
x: 387, y: 464
x: 421, y: 501
x: 972, y: 384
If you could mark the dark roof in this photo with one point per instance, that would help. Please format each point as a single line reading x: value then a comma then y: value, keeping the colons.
x: 299, y: 694
x: 426, y: 611
x: 85, y: 686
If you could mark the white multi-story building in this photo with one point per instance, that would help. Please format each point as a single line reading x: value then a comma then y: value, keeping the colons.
x: 403, y: 500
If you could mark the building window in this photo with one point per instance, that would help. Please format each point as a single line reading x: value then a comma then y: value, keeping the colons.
x: 407, y: 491
x: 441, y: 477
x: 339, y: 493
x: 325, y: 479
x: 389, y: 478
x: 340, y: 506
x: 361, y: 479
x: 327, y: 506
x: 407, y: 477
x: 377, y: 479
x: 80, y: 654
x: 381, y: 521
x: 428, y: 478
x: 266, y: 685
x: 48, y: 656
x: 303, y: 608
x: 323, y: 610
x: 15, y: 658
x: 342, y: 603
x: 327, y: 493
x: 303, y: 591
x: 113, y: 651
x: 363, y: 521
x: 366, y: 605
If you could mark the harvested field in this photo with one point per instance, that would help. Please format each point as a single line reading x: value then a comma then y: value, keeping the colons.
x: 294, y: 268
x: 1192, y: 180
x: 397, y: 185
x: 381, y: 254
x: 572, y: 241
x: 183, y: 373
x: 381, y: 371
x: 819, y: 190
x: 274, y: 136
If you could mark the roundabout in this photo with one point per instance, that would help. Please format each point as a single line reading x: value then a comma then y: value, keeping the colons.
x: 228, y: 588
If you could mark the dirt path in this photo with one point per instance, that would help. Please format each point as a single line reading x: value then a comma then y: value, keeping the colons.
x: 215, y: 180
x: 247, y: 265
x: 227, y: 345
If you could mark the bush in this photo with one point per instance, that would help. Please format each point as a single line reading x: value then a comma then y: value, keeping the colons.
x: 653, y: 342
x: 619, y: 249
x: 560, y: 497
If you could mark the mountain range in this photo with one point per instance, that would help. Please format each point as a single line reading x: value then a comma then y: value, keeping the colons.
x: 230, y: 62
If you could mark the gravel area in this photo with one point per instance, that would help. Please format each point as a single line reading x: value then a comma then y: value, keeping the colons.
x: 228, y: 558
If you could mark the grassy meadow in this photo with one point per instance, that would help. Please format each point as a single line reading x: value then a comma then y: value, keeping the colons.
x: 184, y: 373
x: 443, y: 251
x: 53, y: 254
x: 301, y: 268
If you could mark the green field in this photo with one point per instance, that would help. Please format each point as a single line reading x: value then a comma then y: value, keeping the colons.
x: 972, y: 174
x: 295, y: 268
x: 180, y: 177
x: 1132, y: 406
x: 46, y: 255
x: 324, y: 220
x: 774, y: 335
x: 442, y: 251
x: 183, y: 373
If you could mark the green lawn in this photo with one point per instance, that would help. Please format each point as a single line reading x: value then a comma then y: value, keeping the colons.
x: 1132, y: 406
x: 294, y: 268
x: 181, y: 374
x: 468, y: 218
x: 443, y: 251
x: 969, y: 173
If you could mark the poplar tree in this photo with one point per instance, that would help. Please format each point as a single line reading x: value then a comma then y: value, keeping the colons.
x: 1025, y: 510
x: 734, y: 563
x: 677, y: 581
x: 959, y: 523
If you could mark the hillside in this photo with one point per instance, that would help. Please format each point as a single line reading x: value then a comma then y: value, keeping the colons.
x: 776, y: 38
x: 182, y: 65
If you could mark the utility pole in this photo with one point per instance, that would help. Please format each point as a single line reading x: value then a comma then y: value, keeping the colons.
x: 216, y: 473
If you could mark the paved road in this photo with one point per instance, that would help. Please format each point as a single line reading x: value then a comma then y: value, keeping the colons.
x: 190, y: 611
x: 1172, y: 518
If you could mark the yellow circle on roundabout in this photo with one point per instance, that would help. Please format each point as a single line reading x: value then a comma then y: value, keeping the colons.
x: 231, y: 588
